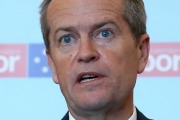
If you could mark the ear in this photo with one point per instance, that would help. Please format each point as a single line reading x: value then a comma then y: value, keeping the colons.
x: 52, y: 67
x: 144, y: 47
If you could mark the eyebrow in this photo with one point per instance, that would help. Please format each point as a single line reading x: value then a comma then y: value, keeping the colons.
x: 95, y: 26
x: 101, y: 24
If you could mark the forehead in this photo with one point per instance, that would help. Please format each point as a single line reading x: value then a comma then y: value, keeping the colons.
x: 82, y: 7
x: 65, y: 4
x: 83, y: 15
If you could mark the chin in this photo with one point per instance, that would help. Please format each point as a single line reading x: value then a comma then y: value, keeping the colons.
x: 96, y: 104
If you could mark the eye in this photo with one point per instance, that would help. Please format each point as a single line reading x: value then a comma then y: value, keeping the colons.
x: 66, y: 39
x: 104, y: 34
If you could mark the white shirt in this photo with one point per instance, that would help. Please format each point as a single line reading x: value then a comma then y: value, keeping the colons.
x: 133, y: 116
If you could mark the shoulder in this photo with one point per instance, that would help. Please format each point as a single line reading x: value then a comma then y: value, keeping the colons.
x: 66, y: 117
x: 141, y: 116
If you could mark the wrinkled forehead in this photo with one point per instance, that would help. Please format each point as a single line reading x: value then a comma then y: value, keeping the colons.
x: 80, y: 7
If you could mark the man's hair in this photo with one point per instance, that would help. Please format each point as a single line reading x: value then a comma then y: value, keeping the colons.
x: 134, y: 14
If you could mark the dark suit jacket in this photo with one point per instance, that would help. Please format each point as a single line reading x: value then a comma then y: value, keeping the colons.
x: 140, y: 116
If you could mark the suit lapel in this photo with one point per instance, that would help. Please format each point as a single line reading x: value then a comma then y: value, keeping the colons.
x: 66, y: 117
x: 140, y: 116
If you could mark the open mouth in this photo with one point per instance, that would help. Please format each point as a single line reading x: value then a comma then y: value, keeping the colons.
x: 87, y: 77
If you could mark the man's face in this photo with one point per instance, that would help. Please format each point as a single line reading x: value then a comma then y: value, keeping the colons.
x: 93, y: 55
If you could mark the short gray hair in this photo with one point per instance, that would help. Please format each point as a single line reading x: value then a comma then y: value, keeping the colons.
x: 134, y: 14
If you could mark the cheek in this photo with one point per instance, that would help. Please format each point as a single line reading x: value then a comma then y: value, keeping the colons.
x: 124, y: 70
x: 62, y: 75
x: 123, y: 62
x: 63, y: 67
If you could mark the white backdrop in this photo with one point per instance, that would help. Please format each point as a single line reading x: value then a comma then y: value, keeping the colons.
x: 33, y: 97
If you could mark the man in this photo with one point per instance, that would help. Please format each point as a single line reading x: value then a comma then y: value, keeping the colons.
x: 95, y: 49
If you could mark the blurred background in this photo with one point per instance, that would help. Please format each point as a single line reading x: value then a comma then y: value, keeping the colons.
x: 27, y: 91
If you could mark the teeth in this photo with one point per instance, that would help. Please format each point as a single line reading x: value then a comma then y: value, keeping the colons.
x: 87, y: 78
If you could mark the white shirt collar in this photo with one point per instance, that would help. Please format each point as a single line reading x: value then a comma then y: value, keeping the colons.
x: 71, y: 117
x: 133, y: 116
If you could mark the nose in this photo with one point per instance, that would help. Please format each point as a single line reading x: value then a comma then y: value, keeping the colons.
x: 87, y: 52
